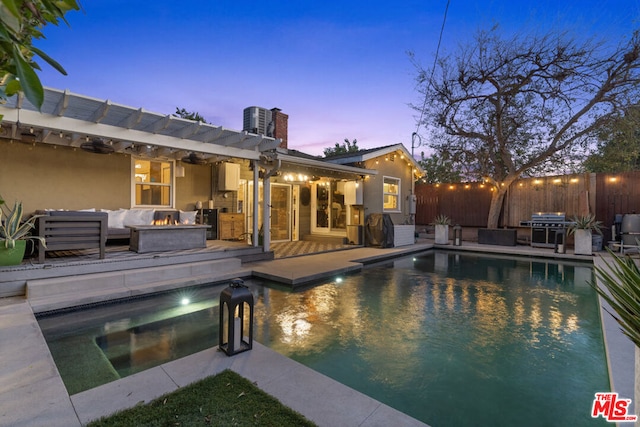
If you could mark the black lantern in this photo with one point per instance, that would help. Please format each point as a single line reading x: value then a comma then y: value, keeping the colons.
x: 559, y: 246
x: 236, y: 316
x: 457, y: 235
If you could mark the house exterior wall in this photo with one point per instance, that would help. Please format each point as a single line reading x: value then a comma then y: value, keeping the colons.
x: 373, y: 186
x: 45, y: 177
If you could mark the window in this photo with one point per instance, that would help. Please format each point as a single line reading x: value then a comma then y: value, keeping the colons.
x: 153, y: 183
x: 391, y: 194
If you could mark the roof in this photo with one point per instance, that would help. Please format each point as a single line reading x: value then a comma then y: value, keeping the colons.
x: 71, y: 119
x: 372, y: 153
x: 297, y: 159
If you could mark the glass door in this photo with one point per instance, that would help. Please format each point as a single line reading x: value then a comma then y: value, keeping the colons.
x: 280, y: 212
x: 328, y: 208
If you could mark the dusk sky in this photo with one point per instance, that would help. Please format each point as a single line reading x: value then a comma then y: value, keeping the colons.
x: 338, y: 69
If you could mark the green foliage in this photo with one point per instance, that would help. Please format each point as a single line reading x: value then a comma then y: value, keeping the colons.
x: 585, y: 222
x: 442, y: 220
x: 346, y: 147
x: 439, y: 168
x: 619, y: 145
x: 195, y: 116
x: 21, y: 21
x: 621, y: 281
x: 224, y: 400
x: 12, y: 228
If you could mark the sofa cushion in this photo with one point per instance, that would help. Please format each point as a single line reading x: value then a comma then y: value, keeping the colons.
x: 115, y: 218
x: 138, y: 217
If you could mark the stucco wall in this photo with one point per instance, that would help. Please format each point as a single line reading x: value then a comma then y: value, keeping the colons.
x: 44, y: 177
x: 373, y: 187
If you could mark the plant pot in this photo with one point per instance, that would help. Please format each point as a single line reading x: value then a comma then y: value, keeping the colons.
x: 14, y: 255
x: 583, y: 242
x: 442, y: 234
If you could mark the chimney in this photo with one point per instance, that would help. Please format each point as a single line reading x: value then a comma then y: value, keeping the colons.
x: 281, y: 122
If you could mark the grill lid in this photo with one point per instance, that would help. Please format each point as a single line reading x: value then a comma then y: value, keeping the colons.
x: 548, y: 217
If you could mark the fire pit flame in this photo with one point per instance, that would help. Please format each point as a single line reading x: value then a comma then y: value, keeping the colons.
x: 165, y: 221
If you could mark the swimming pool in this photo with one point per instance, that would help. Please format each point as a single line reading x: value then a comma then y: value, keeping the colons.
x: 448, y: 338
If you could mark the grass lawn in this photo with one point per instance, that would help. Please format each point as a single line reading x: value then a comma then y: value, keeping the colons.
x: 226, y: 399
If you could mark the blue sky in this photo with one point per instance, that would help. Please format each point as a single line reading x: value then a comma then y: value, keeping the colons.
x: 338, y: 69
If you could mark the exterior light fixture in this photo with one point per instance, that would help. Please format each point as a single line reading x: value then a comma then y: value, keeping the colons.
x: 457, y: 235
x: 179, y: 171
x: 236, y: 318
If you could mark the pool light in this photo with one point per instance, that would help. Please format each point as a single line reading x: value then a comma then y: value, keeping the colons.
x: 185, y: 301
x: 339, y: 280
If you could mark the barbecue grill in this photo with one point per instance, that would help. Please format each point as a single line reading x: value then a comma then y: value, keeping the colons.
x: 544, y: 226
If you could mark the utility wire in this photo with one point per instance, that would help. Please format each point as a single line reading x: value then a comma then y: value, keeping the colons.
x: 433, y: 69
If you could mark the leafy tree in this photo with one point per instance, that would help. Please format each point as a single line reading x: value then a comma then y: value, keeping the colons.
x: 439, y: 168
x: 346, y: 147
x: 510, y: 105
x: 619, y: 145
x: 195, y: 116
x: 21, y: 21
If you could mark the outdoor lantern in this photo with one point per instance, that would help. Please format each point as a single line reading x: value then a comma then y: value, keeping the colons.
x: 236, y: 317
x: 559, y: 246
x: 457, y: 235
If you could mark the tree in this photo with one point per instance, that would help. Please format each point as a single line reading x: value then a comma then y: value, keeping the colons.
x: 439, y: 168
x: 195, y: 116
x: 511, y: 105
x: 346, y: 147
x: 21, y: 21
x: 619, y: 145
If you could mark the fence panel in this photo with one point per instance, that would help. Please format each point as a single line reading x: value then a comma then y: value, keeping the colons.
x: 468, y: 204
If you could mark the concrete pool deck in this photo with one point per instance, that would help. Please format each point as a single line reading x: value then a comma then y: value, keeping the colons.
x: 32, y: 392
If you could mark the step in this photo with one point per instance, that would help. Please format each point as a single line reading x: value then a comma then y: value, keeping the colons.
x: 93, y: 296
x: 128, y: 278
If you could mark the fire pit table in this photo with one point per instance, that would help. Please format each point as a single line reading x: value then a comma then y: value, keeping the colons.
x: 153, y: 238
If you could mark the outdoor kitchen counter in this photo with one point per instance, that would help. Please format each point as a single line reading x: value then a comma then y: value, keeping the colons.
x: 154, y: 238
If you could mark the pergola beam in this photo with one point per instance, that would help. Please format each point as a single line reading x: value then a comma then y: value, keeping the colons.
x: 101, y: 112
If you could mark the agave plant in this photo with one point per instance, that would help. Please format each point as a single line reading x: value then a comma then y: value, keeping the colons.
x: 621, y: 279
x: 12, y: 228
x: 585, y: 222
x: 442, y: 220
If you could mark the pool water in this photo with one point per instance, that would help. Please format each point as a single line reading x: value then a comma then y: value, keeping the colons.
x: 448, y: 338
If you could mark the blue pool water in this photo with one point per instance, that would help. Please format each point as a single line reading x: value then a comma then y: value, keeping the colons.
x: 448, y: 338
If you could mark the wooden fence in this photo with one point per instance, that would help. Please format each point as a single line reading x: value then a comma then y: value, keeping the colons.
x: 468, y: 204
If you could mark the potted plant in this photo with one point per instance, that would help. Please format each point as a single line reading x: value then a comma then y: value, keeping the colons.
x: 583, y: 228
x: 442, y: 223
x: 14, y: 234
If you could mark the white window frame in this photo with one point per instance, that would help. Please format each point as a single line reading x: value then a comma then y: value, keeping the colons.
x: 171, y: 185
x: 398, y: 183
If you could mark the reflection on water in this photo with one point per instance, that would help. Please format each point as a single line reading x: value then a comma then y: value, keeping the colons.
x: 451, y: 339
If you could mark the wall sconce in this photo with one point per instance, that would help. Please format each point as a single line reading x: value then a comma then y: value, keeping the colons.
x: 179, y: 171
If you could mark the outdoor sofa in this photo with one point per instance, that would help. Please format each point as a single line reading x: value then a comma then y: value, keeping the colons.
x: 90, y: 229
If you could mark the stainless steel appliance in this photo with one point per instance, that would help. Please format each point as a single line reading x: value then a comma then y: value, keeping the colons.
x: 544, y: 226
